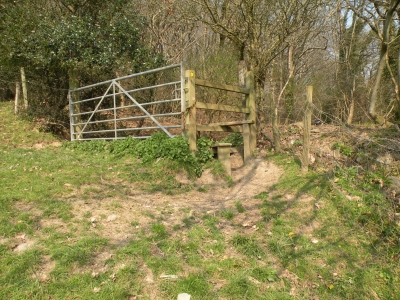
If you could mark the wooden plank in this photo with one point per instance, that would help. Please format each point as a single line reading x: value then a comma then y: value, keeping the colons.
x: 213, y: 127
x: 220, y: 86
x: 233, y: 123
x: 223, y: 107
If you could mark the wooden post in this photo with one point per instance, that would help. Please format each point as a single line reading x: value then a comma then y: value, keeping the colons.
x: 24, y: 88
x: 190, y: 108
x: 307, y: 130
x: 246, y: 143
x: 16, y: 98
x: 224, y: 155
x: 251, y: 104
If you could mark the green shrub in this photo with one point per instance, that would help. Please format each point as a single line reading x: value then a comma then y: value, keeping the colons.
x: 204, y: 153
x: 236, y: 139
x: 158, y: 146
x: 343, y: 149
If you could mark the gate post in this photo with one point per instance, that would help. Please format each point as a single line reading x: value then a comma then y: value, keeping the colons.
x: 190, y: 108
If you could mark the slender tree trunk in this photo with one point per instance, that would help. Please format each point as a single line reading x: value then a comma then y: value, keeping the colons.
x: 275, y: 128
x: 382, y: 59
x: 76, y: 108
x: 352, y: 103
x: 121, y: 96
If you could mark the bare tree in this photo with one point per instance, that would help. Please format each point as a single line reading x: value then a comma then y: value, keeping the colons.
x: 379, y: 15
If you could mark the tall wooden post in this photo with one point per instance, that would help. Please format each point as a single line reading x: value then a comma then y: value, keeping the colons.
x: 24, y: 88
x: 189, y: 108
x: 307, y: 130
x: 16, y: 105
x: 251, y: 116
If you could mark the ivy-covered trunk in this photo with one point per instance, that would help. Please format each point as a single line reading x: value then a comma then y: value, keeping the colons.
x: 73, y: 78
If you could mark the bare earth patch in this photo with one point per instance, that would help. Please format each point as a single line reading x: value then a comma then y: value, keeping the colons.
x: 117, y: 219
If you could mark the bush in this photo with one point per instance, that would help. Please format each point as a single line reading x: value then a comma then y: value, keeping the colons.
x: 343, y: 149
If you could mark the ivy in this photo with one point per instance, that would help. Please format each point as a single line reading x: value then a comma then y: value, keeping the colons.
x: 158, y: 146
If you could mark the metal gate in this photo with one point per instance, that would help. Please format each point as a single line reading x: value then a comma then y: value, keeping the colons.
x: 135, y: 105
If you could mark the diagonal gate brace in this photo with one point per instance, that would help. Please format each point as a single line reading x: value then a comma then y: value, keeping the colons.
x: 145, y: 111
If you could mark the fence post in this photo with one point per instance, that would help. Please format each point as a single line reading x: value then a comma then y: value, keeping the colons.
x: 24, y: 88
x: 190, y: 108
x: 16, y: 98
x: 307, y: 130
x: 251, y: 116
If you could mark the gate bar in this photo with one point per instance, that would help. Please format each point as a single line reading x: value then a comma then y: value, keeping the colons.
x: 128, y: 76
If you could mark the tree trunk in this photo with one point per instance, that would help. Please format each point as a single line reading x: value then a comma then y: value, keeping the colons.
x: 382, y: 59
x: 121, y: 96
x: 76, y: 108
x: 275, y: 129
x: 352, y: 103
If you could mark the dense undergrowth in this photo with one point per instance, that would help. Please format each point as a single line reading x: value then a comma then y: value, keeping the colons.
x: 158, y: 146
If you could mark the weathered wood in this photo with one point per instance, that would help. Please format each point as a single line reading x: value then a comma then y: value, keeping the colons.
x: 222, y: 107
x: 16, y: 104
x: 224, y: 87
x: 251, y: 116
x: 24, y: 88
x: 224, y: 155
x: 219, y: 128
x: 190, y: 108
x: 233, y: 123
x: 246, y: 143
x: 307, y: 130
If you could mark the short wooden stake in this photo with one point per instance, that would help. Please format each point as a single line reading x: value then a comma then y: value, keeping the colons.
x: 307, y: 130
x: 16, y: 98
x: 24, y: 88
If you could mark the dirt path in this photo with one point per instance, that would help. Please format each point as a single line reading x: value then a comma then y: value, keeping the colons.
x: 115, y: 216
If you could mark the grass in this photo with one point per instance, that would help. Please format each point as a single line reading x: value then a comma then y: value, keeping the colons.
x: 318, y: 235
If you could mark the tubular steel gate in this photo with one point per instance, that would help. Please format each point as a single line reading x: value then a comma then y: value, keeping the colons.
x: 135, y: 105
